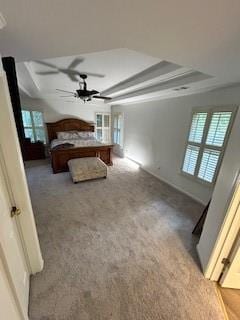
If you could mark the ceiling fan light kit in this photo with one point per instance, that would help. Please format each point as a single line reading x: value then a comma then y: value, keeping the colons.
x: 83, y: 93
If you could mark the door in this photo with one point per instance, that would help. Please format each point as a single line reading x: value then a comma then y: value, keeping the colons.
x: 231, y: 274
x: 11, y: 250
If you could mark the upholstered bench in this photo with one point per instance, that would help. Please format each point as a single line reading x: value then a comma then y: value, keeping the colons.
x: 82, y: 169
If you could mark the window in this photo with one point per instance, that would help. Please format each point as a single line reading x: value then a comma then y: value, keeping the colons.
x: 117, y: 128
x: 103, y: 123
x: 34, y: 125
x: 206, y: 143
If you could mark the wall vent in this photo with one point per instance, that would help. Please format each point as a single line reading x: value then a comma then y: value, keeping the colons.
x: 180, y: 88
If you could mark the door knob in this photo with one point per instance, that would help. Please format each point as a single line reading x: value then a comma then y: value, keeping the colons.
x: 15, y: 212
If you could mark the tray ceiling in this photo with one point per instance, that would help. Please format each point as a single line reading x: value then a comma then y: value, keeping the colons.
x: 124, y: 75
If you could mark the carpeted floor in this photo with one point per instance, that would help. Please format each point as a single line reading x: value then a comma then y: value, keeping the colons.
x: 116, y: 249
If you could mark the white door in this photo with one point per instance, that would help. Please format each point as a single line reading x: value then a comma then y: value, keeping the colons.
x: 231, y: 274
x: 11, y: 250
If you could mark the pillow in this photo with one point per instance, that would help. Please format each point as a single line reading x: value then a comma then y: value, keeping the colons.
x: 65, y: 145
x: 86, y: 135
x: 67, y: 135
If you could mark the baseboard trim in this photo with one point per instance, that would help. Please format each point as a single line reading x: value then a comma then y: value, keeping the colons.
x: 138, y: 163
x: 174, y: 186
x: 169, y: 183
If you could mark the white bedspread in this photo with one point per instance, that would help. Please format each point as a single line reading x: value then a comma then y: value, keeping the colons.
x: 77, y: 143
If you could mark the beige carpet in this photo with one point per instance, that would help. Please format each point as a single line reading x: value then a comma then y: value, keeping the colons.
x: 116, y: 249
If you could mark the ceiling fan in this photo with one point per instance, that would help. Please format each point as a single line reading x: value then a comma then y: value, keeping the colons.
x: 70, y: 71
x: 83, y: 93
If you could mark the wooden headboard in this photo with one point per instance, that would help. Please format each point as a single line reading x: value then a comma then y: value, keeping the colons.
x: 67, y: 125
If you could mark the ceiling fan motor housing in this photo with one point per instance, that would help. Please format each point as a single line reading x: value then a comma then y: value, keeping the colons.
x: 83, y: 93
x: 86, y: 93
x: 83, y: 76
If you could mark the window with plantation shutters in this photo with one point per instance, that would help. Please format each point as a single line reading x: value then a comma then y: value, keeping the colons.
x: 206, y: 142
x: 117, y: 128
x: 34, y: 125
x: 103, y: 127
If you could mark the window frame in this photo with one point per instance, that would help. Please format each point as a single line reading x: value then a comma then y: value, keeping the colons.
x: 33, y: 127
x: 118, y: 114
x: 103, y: 127
x: 203, y: 145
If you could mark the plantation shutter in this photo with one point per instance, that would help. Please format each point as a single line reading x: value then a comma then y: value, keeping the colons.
x: 218, y: 128
x: 205, y: 145
x: 197, y: 127
x: 194, y: 141
x: 208, y: 164
x: 190, y: 159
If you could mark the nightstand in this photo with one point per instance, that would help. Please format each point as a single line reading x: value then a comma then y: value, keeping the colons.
x: 33, y: 150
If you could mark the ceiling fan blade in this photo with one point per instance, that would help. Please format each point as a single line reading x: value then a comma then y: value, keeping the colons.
x: 46, y: 64
x: 92, y: 92
x: 72, y: 77
x: 98, y: 75
x: 47, y: 72
x: 65, y: 91
x: 70, y: 69
x: 75, y: 63
x: 101, y: 97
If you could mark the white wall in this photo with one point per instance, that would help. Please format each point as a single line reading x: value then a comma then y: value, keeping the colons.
x: 56, y: 109
x: 155, y: 135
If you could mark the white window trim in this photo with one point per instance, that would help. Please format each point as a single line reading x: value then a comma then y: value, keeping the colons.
x: 121, y: 129
x: 33, y: 127
x: 209, y: 110
x: 102, y: 127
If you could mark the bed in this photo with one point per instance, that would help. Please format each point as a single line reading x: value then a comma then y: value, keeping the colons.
x: 62, y: 150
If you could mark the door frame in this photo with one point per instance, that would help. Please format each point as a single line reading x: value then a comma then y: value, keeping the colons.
x: 229, y: 274
x: 228, y: 233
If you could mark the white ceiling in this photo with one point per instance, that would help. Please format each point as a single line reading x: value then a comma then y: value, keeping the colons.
x: 200, y: 35
x: 112, y: 67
